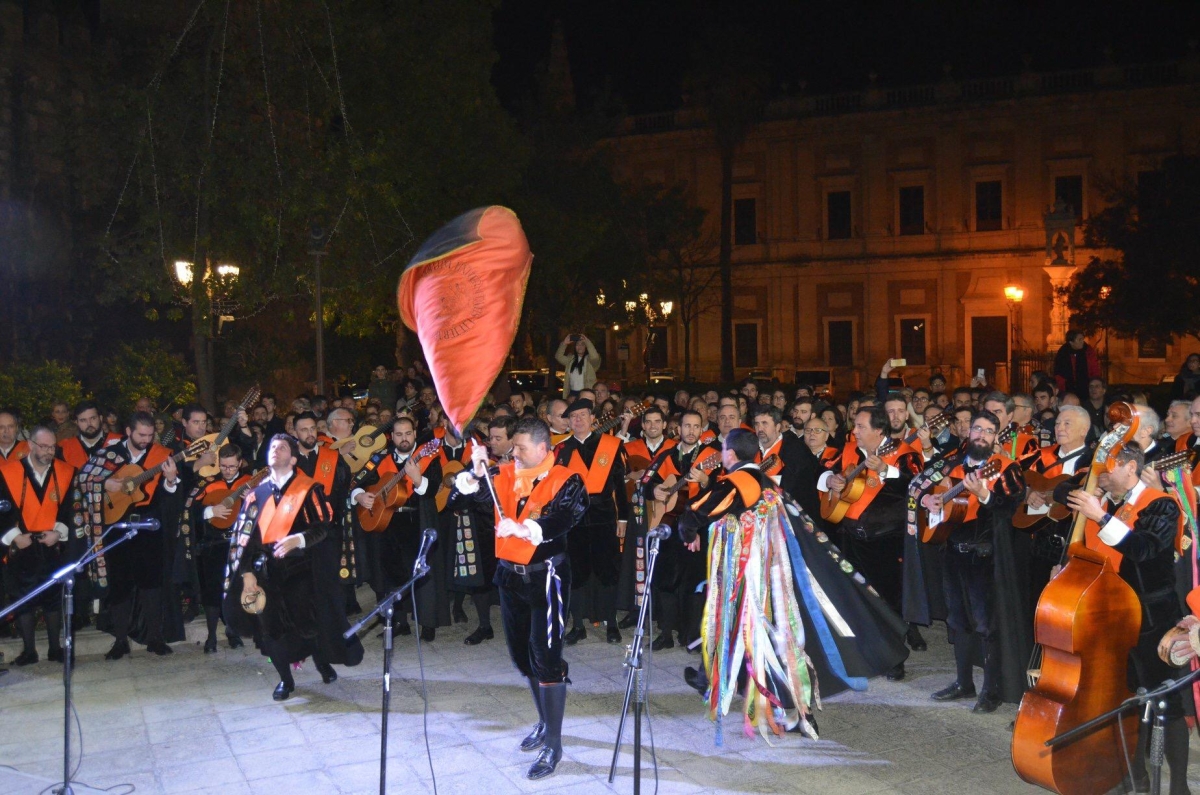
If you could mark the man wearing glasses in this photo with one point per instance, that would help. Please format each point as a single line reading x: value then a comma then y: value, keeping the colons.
x: 982, y: 595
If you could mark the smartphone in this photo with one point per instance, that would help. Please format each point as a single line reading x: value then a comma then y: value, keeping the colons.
x: 894, y: 363
x: 980, y: 374
x: 576, y: 337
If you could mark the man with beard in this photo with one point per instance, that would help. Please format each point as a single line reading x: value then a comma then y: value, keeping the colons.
x: 800, y: 413
x: 213, y: 542
x: 872, y: 532
x: 784, y: 448
x: 596, y: 563
x: 393, y: 551
x: 540, y: 502
x: 35, y: 535
x: 644, y: 451
x: 138, y: 573
x: 1012, y: 442
x: 679, y: 571
x: 11, y: 448
x: 474, y: 566
x: 283, y: 552
x: 896, y: 408
x: 90, y: 437
x: 981, y: 595
x: 324, y: 465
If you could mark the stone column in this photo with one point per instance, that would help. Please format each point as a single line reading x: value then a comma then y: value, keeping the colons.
x: 1060, y: 318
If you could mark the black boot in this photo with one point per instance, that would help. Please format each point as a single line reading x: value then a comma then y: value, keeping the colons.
x: 26, y: 622
x: 554, y: 704
x: 283, y: 690
x: 537, y: 737
x: 1177, y: 755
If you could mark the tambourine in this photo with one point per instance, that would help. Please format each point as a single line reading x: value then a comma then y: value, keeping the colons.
x: 254, y: 603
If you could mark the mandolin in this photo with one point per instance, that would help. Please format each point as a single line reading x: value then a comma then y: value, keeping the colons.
x: 1087, y: 620
x: 232, y: 498
x: 834, y: 505
x: 954, y: 506
x: 215, y: 440
x: 132, y: 477
x: 391, y: 493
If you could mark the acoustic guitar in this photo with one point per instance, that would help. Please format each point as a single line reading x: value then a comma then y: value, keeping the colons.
x: 1026, y: 517
x: 216, y: 440
x: 954, y: 506
x: 132, y: 477
x: 391, y: 494
x: 606, y: 425
x: 657, y: 511
x: 368, y: 440
x: 834, y: 505
x: 232, y: 498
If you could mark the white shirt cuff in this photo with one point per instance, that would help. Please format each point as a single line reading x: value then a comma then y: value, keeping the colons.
x: 63, y: 532
x: 302, y: 543
x: 466, y: 483
x: 422, y: 486
x: 354, y: 494
x: 208, y: 513
x: 986, y: 498
x: 890, y: 472
x: 9, y: 537
x: 1114, y: 532
x: 823, y: 481
x: 535, y: 531
x: 170, y: 487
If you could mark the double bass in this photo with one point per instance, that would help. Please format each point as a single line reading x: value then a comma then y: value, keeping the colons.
x: 1087, y: 621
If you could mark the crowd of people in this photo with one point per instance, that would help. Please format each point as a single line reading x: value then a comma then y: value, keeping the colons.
x: 273, y: 523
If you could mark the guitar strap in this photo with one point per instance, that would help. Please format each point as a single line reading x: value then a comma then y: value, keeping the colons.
x: 929, y: 477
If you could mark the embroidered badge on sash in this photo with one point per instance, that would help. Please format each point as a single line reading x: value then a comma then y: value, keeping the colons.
x: 872, y: 482
x: 603, y: 460
x: 1125, y: 513
x: 344, y: 573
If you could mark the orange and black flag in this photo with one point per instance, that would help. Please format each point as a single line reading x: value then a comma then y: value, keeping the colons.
x: 462, y: 295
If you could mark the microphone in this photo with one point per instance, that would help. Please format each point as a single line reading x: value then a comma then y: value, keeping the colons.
x: 662, y: 532
x: 427, y: 539
x: 140, y: 524
x: 5, y: 506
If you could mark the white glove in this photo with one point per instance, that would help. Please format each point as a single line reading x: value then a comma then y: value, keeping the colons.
x: 508, y: 527
x: 479, y: 460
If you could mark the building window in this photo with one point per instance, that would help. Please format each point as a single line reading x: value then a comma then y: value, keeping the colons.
x: 657, y: 347
x: 745, y: 222
x: 912, y: 210
x: 840, y: 334
x: 1069, y: 190
x: 1151, y: 348
x: 913, y: 340
x: 745, y: 344
x: 839, y: 221
x: 989, y: 212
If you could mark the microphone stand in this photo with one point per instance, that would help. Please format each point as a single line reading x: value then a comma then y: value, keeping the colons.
x: 1156, y: 708
x: 635, y: 687
x: 66, y: 576
x: 386, y: 609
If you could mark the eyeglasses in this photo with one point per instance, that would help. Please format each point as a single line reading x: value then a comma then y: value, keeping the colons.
x: 1022, y: 406
x: 983, y: 430
x: 816, y: 430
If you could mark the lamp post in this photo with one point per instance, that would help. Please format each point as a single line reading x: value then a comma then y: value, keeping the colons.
x: 316, y: 248
x: 218, y: 283
x: 1014, y: 295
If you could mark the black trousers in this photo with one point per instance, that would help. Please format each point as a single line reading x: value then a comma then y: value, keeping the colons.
x: 968, y: 584
x: 880, y: 560
x: 533, y: 633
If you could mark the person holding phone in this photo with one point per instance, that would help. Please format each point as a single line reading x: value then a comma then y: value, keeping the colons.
x: 581, y: 363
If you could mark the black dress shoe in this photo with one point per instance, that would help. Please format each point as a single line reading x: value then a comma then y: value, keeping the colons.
x: 546, y: 762
x: 119, y: 649
x: 954, y: 692
x: 696, y: 679
x: 159, y: 648
x: 428, y: 634
x: 914, y: 639
x: 987, y: 703
x: 663, y: 641
x: 459, y: 615
x: 26, y: 658
x: 235, y: 642
x: 896, y: 674
x: 613, y: 635
x: 328, y: 675
x: 56, y: 655
x: 479, y: 636
x: 574, y: 636
x: 536, y: 738
x: 210, y: 646
x: 630, y: 620
x: 283, y: 691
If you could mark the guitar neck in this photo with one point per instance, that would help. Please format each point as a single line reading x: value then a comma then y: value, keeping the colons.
x: 155, y: 470
x: 382, y: 430
x: 226, y: 429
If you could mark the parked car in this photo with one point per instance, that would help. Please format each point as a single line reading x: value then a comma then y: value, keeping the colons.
x: 533, y: 380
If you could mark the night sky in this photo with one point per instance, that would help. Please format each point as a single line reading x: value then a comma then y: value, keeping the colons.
x: 638, y: 51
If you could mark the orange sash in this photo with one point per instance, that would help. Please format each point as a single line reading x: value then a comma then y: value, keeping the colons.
x: 595, y: 477
x: 959, y: 473
x: 275, y: 521
x: 73, y: 452
x: 326, y: 467
x: 772, y: 451
x: 511, y: 548
x: 154, y: 456
x: 38, y: 516
x: 19, y: 451
x: 1127, y: 513
x: 850, y: 459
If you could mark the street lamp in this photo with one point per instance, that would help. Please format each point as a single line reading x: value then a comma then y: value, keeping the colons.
x: 183, y: 272
x: 1014, y: 294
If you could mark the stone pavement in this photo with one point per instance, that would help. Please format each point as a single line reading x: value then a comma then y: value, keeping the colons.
x: 206, y: 723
